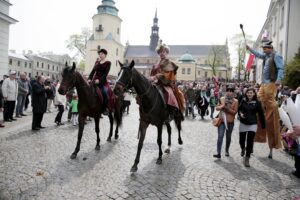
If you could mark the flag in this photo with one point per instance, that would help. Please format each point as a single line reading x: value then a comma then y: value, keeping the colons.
x: 250, y: 62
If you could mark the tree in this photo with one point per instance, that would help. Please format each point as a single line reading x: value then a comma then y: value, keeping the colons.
x: 238, y: 42
x: 78, y: 42
x: 216, y: 57
x: 292, y: 72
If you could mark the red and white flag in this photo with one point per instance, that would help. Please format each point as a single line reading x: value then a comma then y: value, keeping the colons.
x: 250, y: 61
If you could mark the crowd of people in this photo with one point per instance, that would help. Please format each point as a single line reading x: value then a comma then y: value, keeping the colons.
x: 254, y: 105
x: 16, y: 94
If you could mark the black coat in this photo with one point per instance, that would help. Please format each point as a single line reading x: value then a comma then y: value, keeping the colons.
x: 39, y: 98
x: 248, y: 112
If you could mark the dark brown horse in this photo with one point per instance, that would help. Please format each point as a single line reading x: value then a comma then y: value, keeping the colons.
x: 152, y: 108
x: 88, y: 105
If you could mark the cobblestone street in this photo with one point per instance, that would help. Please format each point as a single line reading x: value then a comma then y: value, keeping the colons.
x: 37, y: 165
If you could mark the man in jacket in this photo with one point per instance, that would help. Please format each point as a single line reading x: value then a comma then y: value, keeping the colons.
x: 10, y: 92
x: 22, y: 93
x: 273, y: 73
x: 39, y: 102
x: 190, y: 99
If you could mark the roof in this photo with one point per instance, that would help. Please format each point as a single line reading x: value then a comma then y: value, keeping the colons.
x: 175, y: 50
x: 187, y: 58
x: 18, y: 56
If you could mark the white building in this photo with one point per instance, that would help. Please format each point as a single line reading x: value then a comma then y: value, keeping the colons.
x: 106, y: 35
x: 5, y: 21
x: 34, y: 64
x: 282, y: 26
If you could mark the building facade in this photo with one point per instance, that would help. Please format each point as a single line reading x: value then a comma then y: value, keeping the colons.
x: 49, y: 65
x: 5, y: 22
x: 106, y: 34
x: 193, y: 60
x: 282, y: 27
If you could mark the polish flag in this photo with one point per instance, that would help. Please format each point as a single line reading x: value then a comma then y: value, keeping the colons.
x: 250, y: 62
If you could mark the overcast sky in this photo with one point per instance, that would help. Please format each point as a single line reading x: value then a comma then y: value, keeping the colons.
x: 45, y: 25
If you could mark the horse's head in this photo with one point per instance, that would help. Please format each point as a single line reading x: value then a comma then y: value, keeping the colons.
x: 68, y: 79
x: 124, y: 80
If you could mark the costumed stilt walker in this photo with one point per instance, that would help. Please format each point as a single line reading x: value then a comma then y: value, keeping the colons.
x: 273, y: 73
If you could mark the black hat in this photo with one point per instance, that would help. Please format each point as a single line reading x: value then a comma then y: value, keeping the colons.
x: 267, y: 44
x: 102, y: 51
x: 230, y: 88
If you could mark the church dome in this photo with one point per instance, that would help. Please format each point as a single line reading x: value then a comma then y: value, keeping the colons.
x: 187, y: 58
x: 108, y: 7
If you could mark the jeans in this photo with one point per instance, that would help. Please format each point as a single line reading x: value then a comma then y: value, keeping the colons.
x: 189, y: 105
x: 20, y: 104
x: 212, y: 110
x: 221, y: 131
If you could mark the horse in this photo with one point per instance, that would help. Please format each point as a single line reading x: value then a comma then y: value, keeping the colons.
x: 89, y: 104
x: 152, y: 108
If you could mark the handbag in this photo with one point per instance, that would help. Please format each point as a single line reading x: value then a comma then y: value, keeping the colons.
x: 217, y: 121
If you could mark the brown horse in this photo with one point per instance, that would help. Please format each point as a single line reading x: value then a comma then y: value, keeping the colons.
x: 88, y: 105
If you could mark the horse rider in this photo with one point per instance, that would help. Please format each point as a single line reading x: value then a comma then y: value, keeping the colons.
x: 164, y: 75
x: 98, y: 75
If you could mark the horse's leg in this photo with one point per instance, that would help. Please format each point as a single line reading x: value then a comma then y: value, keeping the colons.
x: 117, y: 131
x: 143, y: 127
x: 169, y: 137
x: 80, y: 132
x: 111, y: 122
x: 178, y: 125
x: 97, y: 129
x: 159, y: 142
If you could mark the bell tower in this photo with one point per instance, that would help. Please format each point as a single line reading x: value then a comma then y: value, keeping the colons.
x: 154, y: 33
x: 106, y: 35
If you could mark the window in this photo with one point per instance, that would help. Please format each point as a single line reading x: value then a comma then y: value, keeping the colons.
x: 42, y: 65
x: 10, y: 61
x: 37, y: 64
x: 98, y: 47
x: 118, y: 31
x: 188, y: 70
x: 117, y: 52
x: 37, y: 73
x: 52, y: 67
x: 48, y: 66
x: 19, y: 63
x: 25, y: 64
x: 220, y: 74
x: 183, y: 71
x: 205, y: 75
x: 29, y: 75
x: 282, y: 17
x: 199, y: 73
x: 148, y: 61
x: 29, y: 65
x: 56, y: 68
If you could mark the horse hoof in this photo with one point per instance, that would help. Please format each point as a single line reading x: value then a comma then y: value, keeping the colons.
x: 180, y: 142
x: 108, y: 139
x: 167, y: 151
x: 97, y: 148
x: 73, y: 156
x: 159, y: 162
x: 116, y: 137
x: 134, y: 169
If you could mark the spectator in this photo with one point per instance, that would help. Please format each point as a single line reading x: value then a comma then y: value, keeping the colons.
x: 126, y: 102
x: 212, y: 104
x: 228, y: 107
x: 27, y: 96
x: 39, y: 102
x: 50, y: 93
x: 294, y: 135
x: 190, y: 100
x: 74, y: 107
x: 1, y: 102
x: 59, y: 101
x: 10, y: 92
x: 249, y: 109
x: 23, y: 90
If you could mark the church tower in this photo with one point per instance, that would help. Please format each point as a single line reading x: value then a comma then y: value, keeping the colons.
x: 154, y: 33
x: 106, y: 35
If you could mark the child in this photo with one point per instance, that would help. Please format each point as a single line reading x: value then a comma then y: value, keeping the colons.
x: 74, y: 107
